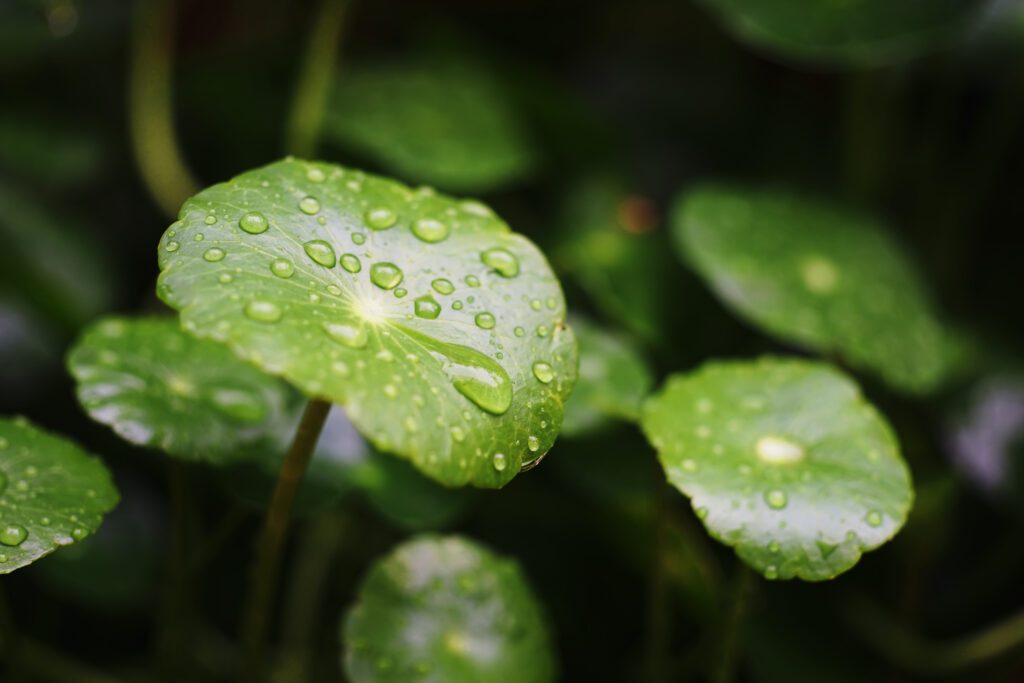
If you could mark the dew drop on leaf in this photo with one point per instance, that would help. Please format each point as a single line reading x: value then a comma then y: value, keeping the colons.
x: 13, y: 535
x: 321, y: 252
x: 213, y: 254
x: 430, y: 230
x: 484, y: 320
x: 351, y: 263
x: 282, y: 267
x: 253, y: 223
x: 380, y: 219
x: 442, y: 286
x: 426, y: 307
x: 347, y: 334
x: 502, y: 261
x: 263, y: 311
x: 385, y: 275
x: 309, y: 205
x: 776, y: 499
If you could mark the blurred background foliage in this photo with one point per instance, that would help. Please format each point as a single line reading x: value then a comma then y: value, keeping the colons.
x: 578, y: 123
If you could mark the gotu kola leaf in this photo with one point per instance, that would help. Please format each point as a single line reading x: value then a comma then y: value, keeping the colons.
x: 816, y: 275
x: 851, y: 32
x: 784, y: 460
x: 52, y: 493
x: 444, y: 122
x: 440, y: 330
x: 445, y: 610
x: 159, y: 387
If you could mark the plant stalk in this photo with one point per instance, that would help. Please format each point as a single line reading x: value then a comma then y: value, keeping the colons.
x: 732, y: 631
x: 307, y: 108
x: 659, y: 599
x: 154, y: 142
x: 267, y: 564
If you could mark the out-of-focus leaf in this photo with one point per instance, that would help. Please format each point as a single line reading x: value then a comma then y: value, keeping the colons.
x: 442, y: 122
x: 446, y: 610
x: 47, y: 152
x: 818, y: 276
x: 783, y: 460
x: 440, y: 330
x: 406, y: 498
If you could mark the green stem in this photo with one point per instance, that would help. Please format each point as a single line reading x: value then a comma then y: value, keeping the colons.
x: 659, y: 603
x: 732, y: 632
x: 267, y: 563
x: 154, y: 141
x: 173, y: 615
x: 925, y: 657
x: 307, y: 109
x: 216, y: 539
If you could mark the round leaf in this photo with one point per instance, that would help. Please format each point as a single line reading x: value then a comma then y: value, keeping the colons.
x: 851, y: 32
x: 52, y: 493
x: 817, y: 276
x: 445, y: 123
x: 445, y: 610
x: 613, y: 380
x: 440, y: 330
x: 157, y: 386
x: 784, y: 460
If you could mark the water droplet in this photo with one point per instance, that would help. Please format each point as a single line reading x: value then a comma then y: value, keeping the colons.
x: 689, y: 465
x: 225, y: 278
x: 13, y: 534
x: 79, y: 533
x: 390, y: 390
x: 533, y: 443
x: 210, y: 219
x: 819, y: 274
x: 426, y: 307
x: 457, y: 433
x: 543, y: 372
x: 777, y: 450
x: 352, y: 336
x: 771, y: 572
x: 321, y: 252
x: 484, y: 320
x: 542, y: 330
x: 358, y: 238
x: 457, y: 305
x: 253, y: 223
x: 442, y: 286
x: 351, y: 263
x: 309, y: 205
x: 282, y: 267
x: 263, y: 311
x: 401, y: 292
x: 239, y: 403
x: 874, y: 518
x: 472, y: 374
x: 315, y: 175
x: 172, y: 246
x: 214, y: 254
x: 535, y: 304
x: 430, y: 230
x: 334, y: 289
x: 380, y: 219
x: 472, y: 281
x: 776, y: 499
x: 500, y: 461
x: 519, y: 332
x: 502, y: 261
x: 385, y: 275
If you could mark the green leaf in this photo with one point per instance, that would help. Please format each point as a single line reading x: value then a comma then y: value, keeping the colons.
x: 815, y: 275
x: 613, y: 380
x: 444, y: 609
x: 440, y: 331
x: 851, y: 32
x: 443, y: 122
x: 159, y: 387
x: 784, y: 460
x: 52, y: 493
x: 407, y: 499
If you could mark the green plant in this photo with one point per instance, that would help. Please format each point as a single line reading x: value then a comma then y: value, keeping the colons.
x: 351, y: 367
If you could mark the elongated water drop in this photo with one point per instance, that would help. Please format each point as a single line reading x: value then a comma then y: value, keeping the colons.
x: 502, y: 261
x: 499, y: 461
x: 386, y: 275
x: 351, y: 263
x: 443, y: 286
x: 263, y: 311
x: 321, y: 252
x: 354, y: 336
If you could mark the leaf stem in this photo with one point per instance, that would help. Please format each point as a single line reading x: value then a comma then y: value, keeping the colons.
x: 659, y: 601
x: 267, y: 564
x: 154, y: 142
x: 729, y: 644
x: 307, y: 108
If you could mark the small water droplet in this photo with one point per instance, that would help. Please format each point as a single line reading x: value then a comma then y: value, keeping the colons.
x: 358, y: 238
x: 472, y: 281
x: 457, y: 433
x: 484, y: 320
x: 776, y: 499
x: 172, y: 246
x: 502, y: 261
x: 390, y: 390
x: 543, y: 372
x: 500, y: 461
x: 214, y: 254
x: 309, y: 205
x: 282, y: 267
x: 385, y: 275
x: 430, y: 230
x: 321, y: 252
x: 380, y: 219
x: 542, y: 330
x: 351, y: 263
x: 314, y: 175
x: 253, y: 223
x: 352, y: 336
x: 519, y: 332
x: 401, y: 292
x: 771, y: 572
x: 874, y: 518
x: 457, y: 305
x: 426, y: 307
x: 263, y: 311
x: 689, y: 465
x: 210, y: 219
x: 442, y: 286
x: 225, y: 278
x: 13, y: 534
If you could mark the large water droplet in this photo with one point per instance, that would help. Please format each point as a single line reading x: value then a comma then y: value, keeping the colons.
x: 351, y: 263
x: 263, y: 311
x: 385, y: 275
x: 214, y: 254
x: 777, y: 450
x: 321, y: 252
x: 172, y: 246
x: 533, y: 443
x: 473, y: 374
x: 776, y: 499
x: 282, y: 267
x: 430, y: 230
x: 354, y: 336
x: 484, y: 320
x: 253, y: 223
x: 13, y: 534
x: 543, y: 372
x: 443, y: 286
x: 380, y: 219
x: 501, y: 260
x: 309, y: 205
x: 500, y: 461
x: 426, y: 307
x: 239, y: 403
